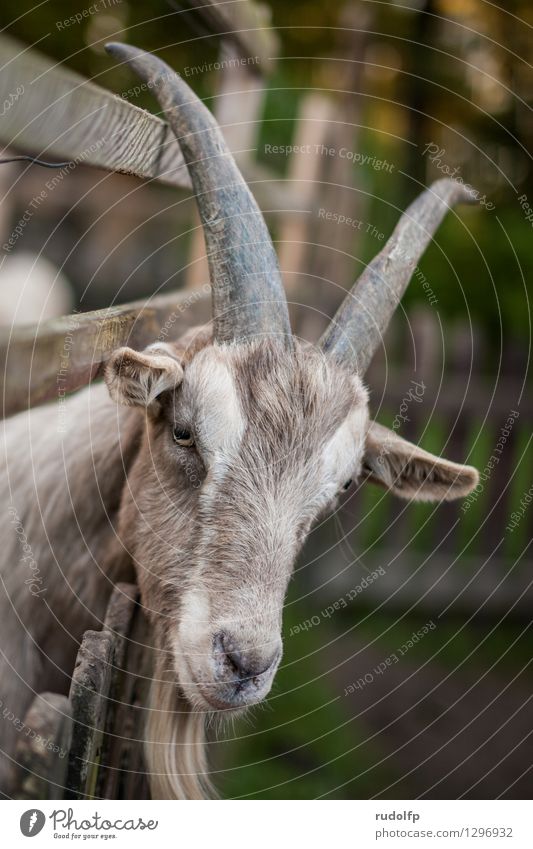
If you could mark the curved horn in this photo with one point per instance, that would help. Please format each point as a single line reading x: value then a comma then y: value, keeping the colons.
x: 361, y: 320
x: 247, y: 290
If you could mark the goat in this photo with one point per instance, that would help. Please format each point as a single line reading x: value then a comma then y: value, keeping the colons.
x: 200, y: 465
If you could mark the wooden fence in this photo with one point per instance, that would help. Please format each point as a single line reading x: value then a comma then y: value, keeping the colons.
x: 459, y: 558
x: 89, y: 744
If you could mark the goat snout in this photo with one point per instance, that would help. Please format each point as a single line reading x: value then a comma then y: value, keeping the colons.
x: 240, y: 665
x: 243, y: 676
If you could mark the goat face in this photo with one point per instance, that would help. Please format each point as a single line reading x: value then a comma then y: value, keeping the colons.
x: 245, y: 446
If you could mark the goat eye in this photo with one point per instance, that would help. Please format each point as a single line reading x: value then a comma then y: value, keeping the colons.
x: 347, y: 485
x: 183, y: 437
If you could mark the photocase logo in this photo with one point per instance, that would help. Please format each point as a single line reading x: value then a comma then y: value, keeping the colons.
x: 32, y: 822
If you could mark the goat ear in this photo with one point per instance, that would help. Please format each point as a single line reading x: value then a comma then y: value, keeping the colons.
x: 410, y: 472
x: 139, y: 378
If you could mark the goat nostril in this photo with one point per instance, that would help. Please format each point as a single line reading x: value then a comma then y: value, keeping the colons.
x: 244, y: 665
x: 238, y: 661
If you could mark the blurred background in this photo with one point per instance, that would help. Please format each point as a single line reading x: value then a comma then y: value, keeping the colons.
x: 407, y: 667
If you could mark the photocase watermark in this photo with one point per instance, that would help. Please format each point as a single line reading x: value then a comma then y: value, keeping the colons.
x: 355, y: 223
x: 415, y: 394
x: 23, y: 222
x: 34, y: 581
x: 11, y: 99
x: 221, y: 64
x: 70, y: 166
x: 435, y: 155
x: 62, y: 374
x: 86, y: 827
x: 190, y: 71
x: 190, y: 470
x: 391, y: 660
x: 518, y: 515
x: 493, y: 461
x: 50, y: 185
x: 24, y: 729
x: 526, y: 208
x: 355, y: 156
x: 400, y: 254
x: 428, y: 291
x: 64, y: 819
x: 73, y: 20
x: 136, y: 90
x: 196, y: 479
x: 341, y: 602
x: 32, y: 822
x: 197, y: 295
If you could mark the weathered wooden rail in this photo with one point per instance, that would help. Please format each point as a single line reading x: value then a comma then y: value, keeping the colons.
x: 43, y: 362
x: 62, y: 116
x: 458, y: 557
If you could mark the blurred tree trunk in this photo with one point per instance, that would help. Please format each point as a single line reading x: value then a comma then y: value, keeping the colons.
x: 326, y: 255
x: 418, y: 91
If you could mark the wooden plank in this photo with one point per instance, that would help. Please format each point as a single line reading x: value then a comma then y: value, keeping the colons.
x: 239, y: 106
x: 119, y: 620
x: 432, y: 582
x: 43, y: 362
x: 57, y: 114
x: 89, y: 693
x: 305, y: 167
x: 126, y: 777
x: 120, y: 613
x: 42, y: 750
x: 324, y: 248
x: 245, y: 23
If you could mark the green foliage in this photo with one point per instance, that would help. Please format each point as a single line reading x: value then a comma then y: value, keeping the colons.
x: 307, y: 742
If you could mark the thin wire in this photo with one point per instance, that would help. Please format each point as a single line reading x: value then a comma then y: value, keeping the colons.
x: 35, y: 161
